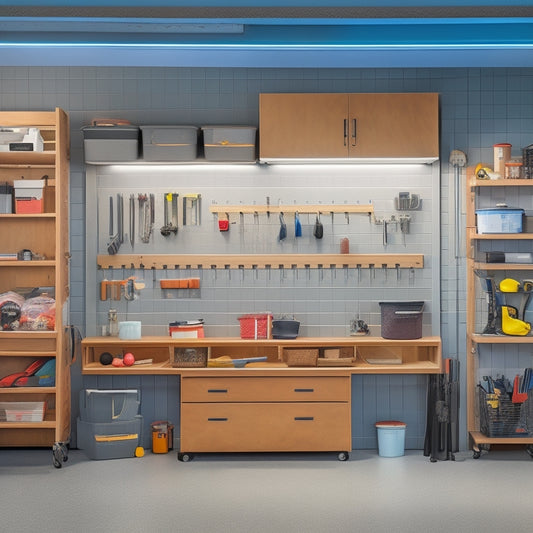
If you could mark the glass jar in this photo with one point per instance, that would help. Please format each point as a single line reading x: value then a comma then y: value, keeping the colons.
x: 513, y: 170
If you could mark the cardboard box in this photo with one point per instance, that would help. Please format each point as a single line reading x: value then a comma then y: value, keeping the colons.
x: 29, y: 196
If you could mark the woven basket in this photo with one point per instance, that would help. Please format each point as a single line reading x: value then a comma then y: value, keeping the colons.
x: 301, y: 357
x: 189, y: 357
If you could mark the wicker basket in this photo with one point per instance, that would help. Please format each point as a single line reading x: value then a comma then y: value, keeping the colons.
x: 189, y: 357
x: 301, y: 357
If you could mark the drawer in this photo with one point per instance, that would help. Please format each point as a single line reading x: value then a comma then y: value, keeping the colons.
x: 263, y: 427
x: 265, y: 389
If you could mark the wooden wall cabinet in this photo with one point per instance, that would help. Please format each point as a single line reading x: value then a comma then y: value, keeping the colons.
x: 348, y: 126
x: 45, y: 234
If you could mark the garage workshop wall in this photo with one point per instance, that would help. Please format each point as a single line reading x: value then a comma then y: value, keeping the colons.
x: 479, y: 107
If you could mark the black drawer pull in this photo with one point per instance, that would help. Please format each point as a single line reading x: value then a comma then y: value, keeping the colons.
x: 217, y: 390
x: 304, y: 390
x: 217, y: 419
x: 304, y: 418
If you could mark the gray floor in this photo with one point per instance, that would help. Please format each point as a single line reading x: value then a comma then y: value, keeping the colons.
x: 283, y: 493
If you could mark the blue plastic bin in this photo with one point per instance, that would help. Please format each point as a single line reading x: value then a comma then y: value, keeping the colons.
x: 391, y: 438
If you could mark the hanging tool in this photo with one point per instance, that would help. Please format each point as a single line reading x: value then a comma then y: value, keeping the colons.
x: 120, y: 217
x: 282, y: 228
x: 297, y: 225
x: 171, y: 223
x: 191, y: 209
x: 132, y: 220
x: 318, y: 230
x: 114, y: 238
x: 146, y: 216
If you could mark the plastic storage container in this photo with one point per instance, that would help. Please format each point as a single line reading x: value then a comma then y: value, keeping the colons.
x: 111, y: 440
x: 29, y: 196
x: 255, y: 326
x: 111, y: 144
x: 391, y: 438
x: 170, y: 143
x: 99, y: 405
x: 162, y: 436
x: 401, y: 320
x: 230, y: 143
x: 499, y: 220
x: 6, y: 198
x: 129, y: 330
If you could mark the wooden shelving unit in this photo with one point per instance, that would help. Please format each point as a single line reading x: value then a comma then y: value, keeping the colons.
x: 47, y: 235
x: 419, y: 356
x: 475, y: 188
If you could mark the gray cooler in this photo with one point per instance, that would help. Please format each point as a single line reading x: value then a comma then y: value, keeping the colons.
x: 111, y: 144
x: 170, y: 143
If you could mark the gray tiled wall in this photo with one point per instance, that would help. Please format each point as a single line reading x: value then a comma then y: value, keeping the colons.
x: 479, y: 107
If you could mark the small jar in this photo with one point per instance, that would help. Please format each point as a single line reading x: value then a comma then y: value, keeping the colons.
x: 502, y: 154
x: 513, y: 170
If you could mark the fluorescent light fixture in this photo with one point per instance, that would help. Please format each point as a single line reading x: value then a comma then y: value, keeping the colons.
x: 351, y: 160
x: 76, y: 25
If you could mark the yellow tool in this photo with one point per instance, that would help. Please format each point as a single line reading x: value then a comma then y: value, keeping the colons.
x: 512, y: 325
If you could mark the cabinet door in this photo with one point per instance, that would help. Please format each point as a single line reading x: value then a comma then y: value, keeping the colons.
x: 393, y: 125
x: 303, y: 125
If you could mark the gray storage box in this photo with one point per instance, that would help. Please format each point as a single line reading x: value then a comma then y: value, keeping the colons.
x: 170, y: 143
x: 98, y: 405
x: 111, y: 144
x: 230, y: 143
x: 112, y: 440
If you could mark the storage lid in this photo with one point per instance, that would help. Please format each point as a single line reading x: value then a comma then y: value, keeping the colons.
x: 28, y: 184
x: 121, y: 131
x: 390, y: 423
x: 169, y: 126
x: 499, y: 210
x: 230, y: 127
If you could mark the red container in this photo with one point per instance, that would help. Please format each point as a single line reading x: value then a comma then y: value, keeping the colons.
x: 255, y: 326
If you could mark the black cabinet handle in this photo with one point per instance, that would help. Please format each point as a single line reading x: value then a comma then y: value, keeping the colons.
x: 354, y: 131
x: 217, y: 390
x: 345, y: 131
x: 217, y: 419
x: 304, y: 390
x: 304, y: 418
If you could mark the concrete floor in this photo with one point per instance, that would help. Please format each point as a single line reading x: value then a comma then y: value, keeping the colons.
x: 285, y: 493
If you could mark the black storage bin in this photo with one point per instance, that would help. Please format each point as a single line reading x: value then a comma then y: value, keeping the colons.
x: 401, y: 320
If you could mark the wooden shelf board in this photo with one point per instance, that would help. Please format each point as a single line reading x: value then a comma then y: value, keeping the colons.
x: 501, y: 183
x: 25, y: 264
x: 501, y: 339
x: 479, y: 438
x: 502, y: 236
x: 502, y: 266
x: 250, y: 261
x: 28, y: 390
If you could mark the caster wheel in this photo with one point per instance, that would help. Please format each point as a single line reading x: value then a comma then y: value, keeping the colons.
x: 476, y: 454
x: 343, y: 456
x: 529, y: 450
x: 432, y: 460
x: 59, y: 455
x: 185, y: 457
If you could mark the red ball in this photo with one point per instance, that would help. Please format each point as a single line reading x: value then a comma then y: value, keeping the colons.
x: 128, y: 359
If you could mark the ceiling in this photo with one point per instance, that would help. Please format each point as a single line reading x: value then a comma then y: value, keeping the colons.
x: 286, y: 35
